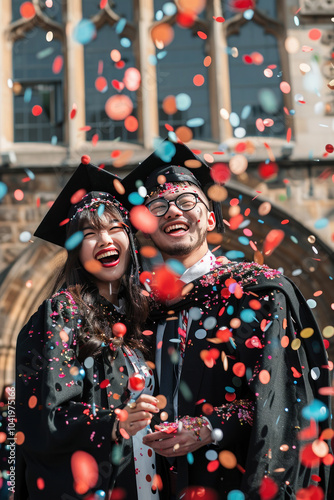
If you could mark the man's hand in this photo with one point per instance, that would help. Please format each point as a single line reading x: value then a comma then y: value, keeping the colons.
x: 177, y: 444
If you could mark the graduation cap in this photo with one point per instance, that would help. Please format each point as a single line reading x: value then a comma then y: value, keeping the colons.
x: 88, y: 182
x: 171, y: 162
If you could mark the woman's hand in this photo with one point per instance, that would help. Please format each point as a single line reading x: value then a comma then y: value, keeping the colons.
x: 139, y: 414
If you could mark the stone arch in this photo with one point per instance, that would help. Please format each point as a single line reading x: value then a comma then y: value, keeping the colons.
x: 36, y: 264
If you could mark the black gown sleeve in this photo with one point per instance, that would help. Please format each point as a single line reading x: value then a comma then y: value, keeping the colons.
x: 55, y: 411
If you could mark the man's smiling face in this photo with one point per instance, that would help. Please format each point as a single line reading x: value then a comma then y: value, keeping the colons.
x: 182, y: 233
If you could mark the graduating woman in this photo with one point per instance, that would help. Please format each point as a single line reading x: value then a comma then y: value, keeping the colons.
x: 83, y: 388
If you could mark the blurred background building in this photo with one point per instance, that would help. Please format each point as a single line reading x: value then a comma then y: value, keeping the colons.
x: 247, y: 84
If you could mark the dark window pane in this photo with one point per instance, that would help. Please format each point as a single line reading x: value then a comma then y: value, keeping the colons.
x: 97, y: 58
x: 51, y: 8
x: 36, y: 84
x: 175, y: 72
x: 250, y: 88
x: 124, y: 8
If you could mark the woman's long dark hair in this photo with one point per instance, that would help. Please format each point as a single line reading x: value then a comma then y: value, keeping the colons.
x: 96, y: 324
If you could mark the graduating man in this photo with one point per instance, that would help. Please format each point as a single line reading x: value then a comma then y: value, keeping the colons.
x: 239, y: 356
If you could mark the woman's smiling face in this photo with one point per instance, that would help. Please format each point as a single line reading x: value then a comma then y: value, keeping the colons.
x: 105, y: 249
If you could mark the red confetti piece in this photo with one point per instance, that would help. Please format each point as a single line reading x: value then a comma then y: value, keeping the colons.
x: 202, y: 35
x: 105, y: 383
x: 268, y: 171
x: 119, y: 64
x: 247, y: 59
x: 95, y: 139
x: 213, y: 465
x: 166, y: 282
x: 77, y: 196
x: 38, y: 202
x: 198, y: 80
x: 253, y: 342
x: 143, y: 220
x: 117, y: 85
x: 185, y: 19
x: 308, y: 458
x: 115, y: 153
x: 85, y: 159
x: 131, y: 123
x: 40, y: 483
x: 145, y: 276
x: 63, y: 222
x: 288, y: 135
x: 136, y: 382
x: 18, y: 194
x: 147, y: 333
x: 272, y: 240
x: 84, y: 470
x: 25, y: 179
x: 123, y: 433
x: 169, y: 127
x: 101, y: 84
x: 27, y: 10
x: 73, y: 111
x: 119, y: 329
x: 220, y: 173
x: 219, y: 19
x: 295, y: 372
x: 329, y: 148
x: 239, y: 369
x: 285, y: 87
x: 230, y: 397
x: 37, y: 110
x: 86, y: 128
x: 207, y: 409
x: 259, y: 124
x: 268, y: 489
x: 224, y: 334
x: 236, y: 221
x: 285, y: 221
x: 57, y: 64
x: 312, y: 492
x: 103, y: 4
x: 314, y: 34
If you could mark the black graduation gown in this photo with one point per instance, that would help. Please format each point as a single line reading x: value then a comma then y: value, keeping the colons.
x: 274, y: 373
x: 60, y: 412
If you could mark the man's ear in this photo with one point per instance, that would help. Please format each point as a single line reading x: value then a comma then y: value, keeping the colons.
x: 211, y: 221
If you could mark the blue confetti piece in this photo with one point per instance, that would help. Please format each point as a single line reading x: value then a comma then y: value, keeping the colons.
x: 74, y: 240
x: 27, y: 95
x: 229, y: 389
x: 3, y: 189
x: 100, y: 210
x: 42, y: 54
x: 243, y: 240
x: 195, y: 122
x: 152, y: 60
x: 321, y: 223
x: 166, y: 151
x: 246, y: 110
x: 230, y: 310
x: 162, y: 54
x: 159, y: 15
x: 234, y: 254
x: 294, y: 239
x: 235, y: 495
x: 54, y: 140
x: 135, y: 198
x: 260, y: 221
x: 311, y: 303
x: 247, y: 315
x: 183, y: 101
x: 234, y: 119
x: 190, y: 458
x: 169, y: 8
x: 248, y: 14
x: 120, y: 25
x: 176, y: 266
x: 84, y: 32
x: 125, y: 42
x: 317, y: 411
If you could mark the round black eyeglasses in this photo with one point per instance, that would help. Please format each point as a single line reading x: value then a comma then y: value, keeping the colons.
x: 185, y: 202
